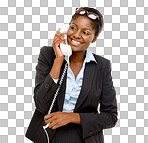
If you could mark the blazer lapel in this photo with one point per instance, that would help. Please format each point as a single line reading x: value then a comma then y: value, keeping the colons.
x: 86, y: 85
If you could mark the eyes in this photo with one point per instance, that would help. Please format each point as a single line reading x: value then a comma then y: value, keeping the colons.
x: 74, y: 28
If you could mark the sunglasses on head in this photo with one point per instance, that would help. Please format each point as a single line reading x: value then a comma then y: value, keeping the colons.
x: 90, y: 15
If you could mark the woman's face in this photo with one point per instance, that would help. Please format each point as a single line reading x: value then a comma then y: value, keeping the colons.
x: 80, y: 34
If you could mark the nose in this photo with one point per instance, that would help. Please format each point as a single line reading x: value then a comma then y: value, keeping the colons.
x: 77, y: 34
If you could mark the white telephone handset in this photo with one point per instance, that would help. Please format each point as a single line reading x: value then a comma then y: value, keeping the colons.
x: 66, y: 49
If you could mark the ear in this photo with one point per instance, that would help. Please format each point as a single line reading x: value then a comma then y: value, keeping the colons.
x: 95, y: 38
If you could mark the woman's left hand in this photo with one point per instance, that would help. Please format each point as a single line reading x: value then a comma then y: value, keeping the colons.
x: 58, y: 119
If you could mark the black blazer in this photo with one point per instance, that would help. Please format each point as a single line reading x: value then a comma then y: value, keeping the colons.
x: 97, y: 89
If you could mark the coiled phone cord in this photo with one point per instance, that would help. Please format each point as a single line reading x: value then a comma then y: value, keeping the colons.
x: 53, y: 101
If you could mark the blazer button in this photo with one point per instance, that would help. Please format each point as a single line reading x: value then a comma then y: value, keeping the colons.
x: 90, y: 133
x: 46, y: 85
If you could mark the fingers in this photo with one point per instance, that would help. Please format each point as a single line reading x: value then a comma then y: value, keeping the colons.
x: 49, y: 116
x: 56, y: 126
x: 53, y: 124
x: 57, y: 119
x: 59, y: 30
x: 59, y: 35
x: 49, y: 120
x: 58, y: 38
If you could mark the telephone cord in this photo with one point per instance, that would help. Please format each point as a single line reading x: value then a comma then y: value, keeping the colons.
x: 55, y: 96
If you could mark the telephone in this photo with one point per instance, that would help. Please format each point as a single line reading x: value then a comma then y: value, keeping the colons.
x: 66, y: 49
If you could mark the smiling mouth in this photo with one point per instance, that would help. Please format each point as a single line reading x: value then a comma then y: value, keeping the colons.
x: 75, y: 43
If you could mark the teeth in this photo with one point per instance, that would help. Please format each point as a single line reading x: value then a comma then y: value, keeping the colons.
x: 75, y: 42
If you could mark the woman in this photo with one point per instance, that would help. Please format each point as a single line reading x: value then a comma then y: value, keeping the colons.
x: 87, y: 84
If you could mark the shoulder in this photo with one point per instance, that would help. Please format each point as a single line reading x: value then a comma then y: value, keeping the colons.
x: 47, y: 54
x: 101, y: 60
x: 47, y: 50
x: 103, y: 64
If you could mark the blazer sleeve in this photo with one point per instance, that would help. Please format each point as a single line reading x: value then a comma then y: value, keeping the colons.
x: 45, y: 87
x: 94, y: 122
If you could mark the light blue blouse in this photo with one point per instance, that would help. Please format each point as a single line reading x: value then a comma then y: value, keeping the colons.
x: 73, y: 86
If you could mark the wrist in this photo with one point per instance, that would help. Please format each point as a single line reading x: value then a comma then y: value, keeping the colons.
x: 56, y: 68
x: 75, y: 118
x: 59, y: 59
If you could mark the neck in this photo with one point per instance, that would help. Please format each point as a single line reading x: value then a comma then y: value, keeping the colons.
x: 77, y: 57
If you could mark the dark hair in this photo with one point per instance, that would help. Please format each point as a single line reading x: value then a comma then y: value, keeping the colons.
x: 96, y: 24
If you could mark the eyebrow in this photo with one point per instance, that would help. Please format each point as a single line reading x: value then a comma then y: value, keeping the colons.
x: 84, y: 28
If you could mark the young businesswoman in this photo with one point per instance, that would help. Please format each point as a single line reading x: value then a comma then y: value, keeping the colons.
x: 87, y: 84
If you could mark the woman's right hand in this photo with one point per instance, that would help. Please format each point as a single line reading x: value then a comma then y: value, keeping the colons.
x: 58, y: 38
x: 58, y: 61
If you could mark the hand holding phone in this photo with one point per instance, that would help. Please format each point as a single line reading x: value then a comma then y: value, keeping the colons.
x: 66, y: 49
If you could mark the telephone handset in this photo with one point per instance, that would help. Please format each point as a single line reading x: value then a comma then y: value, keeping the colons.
x: 66, y: 49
